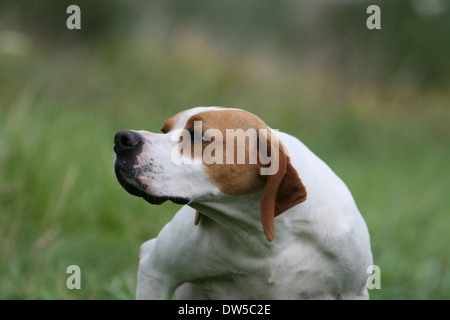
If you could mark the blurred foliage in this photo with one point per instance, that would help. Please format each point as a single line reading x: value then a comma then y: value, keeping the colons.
x: 46, y: 19
x: 412, y: 47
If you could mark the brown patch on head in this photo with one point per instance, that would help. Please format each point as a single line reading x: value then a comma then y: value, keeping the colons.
x: 231, y: 178
x: 170, y: 123
x: 282, y: 190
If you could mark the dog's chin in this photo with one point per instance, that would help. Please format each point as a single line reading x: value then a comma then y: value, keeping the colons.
x: 138, y: 192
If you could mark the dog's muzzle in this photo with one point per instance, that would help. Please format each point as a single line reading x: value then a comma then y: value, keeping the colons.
x: 128, y: 146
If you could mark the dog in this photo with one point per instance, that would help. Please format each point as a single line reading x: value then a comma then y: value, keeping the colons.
x: 242, y: 233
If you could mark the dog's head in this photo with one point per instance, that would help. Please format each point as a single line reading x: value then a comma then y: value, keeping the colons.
x: 204, y: 153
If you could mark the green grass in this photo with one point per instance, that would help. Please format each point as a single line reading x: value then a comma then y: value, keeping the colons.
x: 61, y: 205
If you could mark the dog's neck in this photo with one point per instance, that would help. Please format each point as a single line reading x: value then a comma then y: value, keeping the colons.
x: 240, y: 215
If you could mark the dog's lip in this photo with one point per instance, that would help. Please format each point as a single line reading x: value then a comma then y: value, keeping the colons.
x: 124, y: 177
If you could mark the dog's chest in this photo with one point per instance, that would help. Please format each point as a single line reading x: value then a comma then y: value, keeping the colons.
x: 299, y: 285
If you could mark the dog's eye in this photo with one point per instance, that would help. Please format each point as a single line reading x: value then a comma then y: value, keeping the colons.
x: 192, y: 134
x: 196, y: 136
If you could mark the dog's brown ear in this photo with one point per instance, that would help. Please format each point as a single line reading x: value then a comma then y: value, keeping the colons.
x: 283, y: 190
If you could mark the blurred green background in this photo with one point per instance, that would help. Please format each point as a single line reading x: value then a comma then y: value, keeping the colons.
x: 373, y: 104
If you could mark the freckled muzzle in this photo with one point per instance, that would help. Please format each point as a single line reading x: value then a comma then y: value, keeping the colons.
x: 128, y: 146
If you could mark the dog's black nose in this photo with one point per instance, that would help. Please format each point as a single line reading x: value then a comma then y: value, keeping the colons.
x: 126, y: 141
